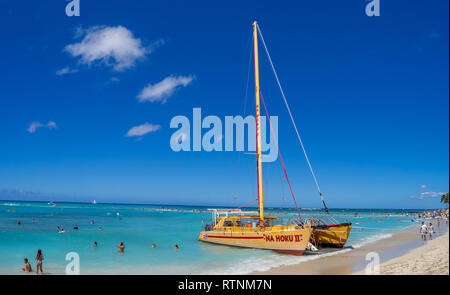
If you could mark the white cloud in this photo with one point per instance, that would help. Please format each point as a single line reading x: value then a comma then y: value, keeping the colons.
x: 162, y: 90
x: 143, y: 129
x: 423, y: 186
x: 36, y: 125
x: 51, y: 125
x: 427, y: 195
x: 65, y: 70
x: 113, y: 46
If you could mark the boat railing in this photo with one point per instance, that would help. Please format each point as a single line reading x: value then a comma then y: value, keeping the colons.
x: 321, y: 220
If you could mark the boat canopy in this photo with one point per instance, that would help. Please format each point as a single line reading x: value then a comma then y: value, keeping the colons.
x: 237, y: 214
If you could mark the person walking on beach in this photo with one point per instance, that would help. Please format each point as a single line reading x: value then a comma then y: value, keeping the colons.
x: 431, y: 230
x: 27, y: 267
x: 121, y: 247
x: 439, y: 224
x: 423, y: 231
x: 39, y: 259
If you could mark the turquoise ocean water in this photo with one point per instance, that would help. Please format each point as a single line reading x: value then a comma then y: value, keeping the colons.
x: 138, y: 226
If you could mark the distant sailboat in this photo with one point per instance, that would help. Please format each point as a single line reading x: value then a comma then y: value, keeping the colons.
x: 94, y: 202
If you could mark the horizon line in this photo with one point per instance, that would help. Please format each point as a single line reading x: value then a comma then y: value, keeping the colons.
x: 153, y: 204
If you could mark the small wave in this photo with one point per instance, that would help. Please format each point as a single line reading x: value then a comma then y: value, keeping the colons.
x: 371, y: 239
x: 10, y: 204
x: 268, y: 262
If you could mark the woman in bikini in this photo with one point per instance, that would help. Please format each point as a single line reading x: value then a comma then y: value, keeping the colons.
x: 39, y: 259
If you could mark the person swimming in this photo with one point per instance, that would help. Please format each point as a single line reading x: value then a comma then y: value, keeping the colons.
x: 39, y: 259
x: 154, y: 245
x: 121, y: 247
x: 95, y: 244
x: 62, y: 231
x: 176, y: 248
x: 75, y: 227
x: 27, y: 267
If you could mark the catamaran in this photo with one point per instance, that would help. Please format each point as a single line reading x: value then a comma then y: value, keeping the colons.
x: 234, y: 227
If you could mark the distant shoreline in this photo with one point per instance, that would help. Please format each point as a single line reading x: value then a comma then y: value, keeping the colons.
x: 412, y: 210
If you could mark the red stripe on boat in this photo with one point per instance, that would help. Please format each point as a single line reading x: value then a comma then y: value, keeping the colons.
x: 223, y: 237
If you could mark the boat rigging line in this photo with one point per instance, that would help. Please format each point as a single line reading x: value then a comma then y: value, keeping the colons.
x: 281, y: 159
x: 292, y: 120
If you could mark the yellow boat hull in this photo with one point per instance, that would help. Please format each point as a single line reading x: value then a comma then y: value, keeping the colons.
x: 287, y: 241
x: 331, y: 235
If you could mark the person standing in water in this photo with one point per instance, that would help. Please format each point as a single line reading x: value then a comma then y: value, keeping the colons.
x: 431, y: 230
x: 439, y: 223
x: 423, y: 231
x: 95, y: 244
x: 39, y: 259
x: 121, y: 247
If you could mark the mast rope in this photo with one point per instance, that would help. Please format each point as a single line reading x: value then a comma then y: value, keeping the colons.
x: 247, y: 204
x: 292, y: 120
x: 245, y: 108
x: 281, y: 159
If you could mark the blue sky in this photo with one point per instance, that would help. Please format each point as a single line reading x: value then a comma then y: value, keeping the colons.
x: 369, y: 95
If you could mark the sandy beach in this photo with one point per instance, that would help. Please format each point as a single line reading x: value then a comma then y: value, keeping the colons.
x: 429, y: 259
x: 402, y: 253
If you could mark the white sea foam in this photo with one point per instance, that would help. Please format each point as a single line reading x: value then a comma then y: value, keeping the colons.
x: 267, y: 262
x: 370, y: 239
x: 10, y: 204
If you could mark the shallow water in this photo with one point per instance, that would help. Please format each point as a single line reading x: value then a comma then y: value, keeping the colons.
x: 138, y: 226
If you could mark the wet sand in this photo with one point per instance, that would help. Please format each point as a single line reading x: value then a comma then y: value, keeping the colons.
x: 430, y: 259
x: 353, y: 261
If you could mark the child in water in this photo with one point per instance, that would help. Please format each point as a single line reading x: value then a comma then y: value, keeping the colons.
x: 27, y: 267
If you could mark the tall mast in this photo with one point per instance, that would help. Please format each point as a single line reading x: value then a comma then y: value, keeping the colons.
x: 258, y: 124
